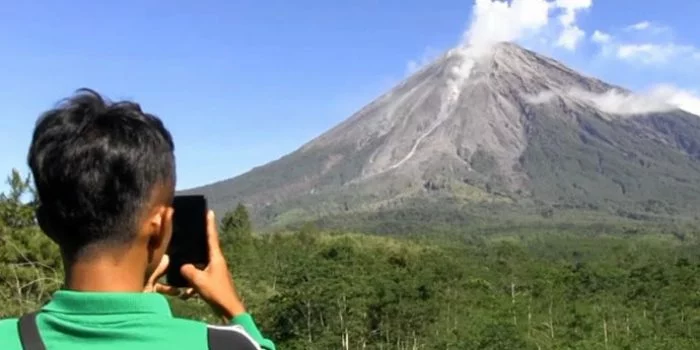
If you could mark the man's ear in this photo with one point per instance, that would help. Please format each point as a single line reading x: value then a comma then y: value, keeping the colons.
x: 160, y: 224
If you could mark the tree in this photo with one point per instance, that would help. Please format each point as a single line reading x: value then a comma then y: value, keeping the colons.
x: 308, y: 233
x: 237, y: 234
x: 14, y: 212
x: 30, y: 264
x: 236, y: 224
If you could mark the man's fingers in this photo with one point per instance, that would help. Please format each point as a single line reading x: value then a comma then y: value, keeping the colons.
x: 162, y: 266
x: 160, y: 270
x: 213, y: 236
x: 181, y: 293
x: 192, y: 274
x: 168, y: 290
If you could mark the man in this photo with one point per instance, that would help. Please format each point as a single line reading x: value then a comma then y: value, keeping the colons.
x: 105, y: 178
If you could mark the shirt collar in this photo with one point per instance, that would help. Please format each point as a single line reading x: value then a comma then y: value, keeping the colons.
x: 94, y: 303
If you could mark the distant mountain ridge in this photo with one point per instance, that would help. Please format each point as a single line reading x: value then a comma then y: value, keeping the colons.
x: 507, y: 126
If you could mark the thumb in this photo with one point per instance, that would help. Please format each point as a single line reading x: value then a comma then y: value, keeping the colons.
x: 192, y: 274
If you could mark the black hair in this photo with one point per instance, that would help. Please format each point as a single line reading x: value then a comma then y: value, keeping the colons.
x: 96, y: 165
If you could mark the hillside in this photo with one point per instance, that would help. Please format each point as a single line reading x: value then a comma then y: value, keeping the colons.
x: 508, y: 130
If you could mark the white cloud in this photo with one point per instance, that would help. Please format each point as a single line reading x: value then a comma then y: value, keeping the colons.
x: 601, y: 37
x: 617, y: 102
x: 684, y: 99
x: 571, y: 34
x: 500, y: 20
x: 496, y: 21
x: 647, y: 26
x: 661, y: 98
x: 639, y: 26
x: 570, y: 37
x: 648, y: 53
x: 570, y: 7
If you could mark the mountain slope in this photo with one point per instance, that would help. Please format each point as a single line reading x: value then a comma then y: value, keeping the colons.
x: 504, y: 126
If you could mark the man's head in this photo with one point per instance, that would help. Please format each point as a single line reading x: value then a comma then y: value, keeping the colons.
x: 105, y: 177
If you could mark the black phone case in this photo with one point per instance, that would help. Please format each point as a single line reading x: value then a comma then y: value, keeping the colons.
x: 188, y: 244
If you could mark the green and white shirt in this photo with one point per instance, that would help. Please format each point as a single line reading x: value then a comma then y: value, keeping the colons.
x: 125, y: 321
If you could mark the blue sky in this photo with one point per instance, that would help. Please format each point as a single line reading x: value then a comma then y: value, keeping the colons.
x: 241, y: 83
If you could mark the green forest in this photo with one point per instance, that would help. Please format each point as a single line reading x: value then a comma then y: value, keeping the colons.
x: 612, y: 287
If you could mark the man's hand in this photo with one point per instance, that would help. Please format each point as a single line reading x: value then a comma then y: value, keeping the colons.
x: 214, y: 283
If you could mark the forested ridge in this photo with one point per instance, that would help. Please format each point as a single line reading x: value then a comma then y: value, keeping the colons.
x: 317, y: 289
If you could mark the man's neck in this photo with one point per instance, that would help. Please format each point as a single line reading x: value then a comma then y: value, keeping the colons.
x: 105, y: 273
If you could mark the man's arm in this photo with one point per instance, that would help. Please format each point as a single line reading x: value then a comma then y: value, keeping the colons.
x: 215, y: 285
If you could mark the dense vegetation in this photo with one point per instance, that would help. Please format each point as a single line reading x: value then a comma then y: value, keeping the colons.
x: 561, y: 287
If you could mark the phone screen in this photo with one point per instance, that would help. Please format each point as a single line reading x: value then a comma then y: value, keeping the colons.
x: 188, y: 244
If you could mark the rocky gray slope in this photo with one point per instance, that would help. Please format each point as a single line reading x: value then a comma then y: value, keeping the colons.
x: 506, y: 124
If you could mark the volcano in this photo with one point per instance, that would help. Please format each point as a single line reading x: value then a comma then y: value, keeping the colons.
x: 501, y: 126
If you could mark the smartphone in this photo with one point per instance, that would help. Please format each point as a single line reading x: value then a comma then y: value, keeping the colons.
x: 188, y: 244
